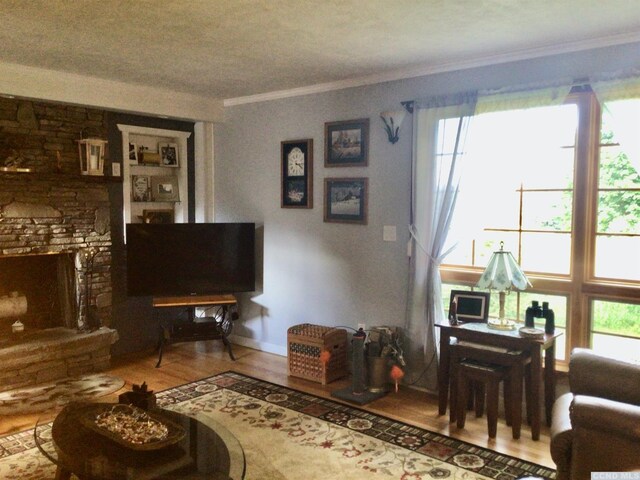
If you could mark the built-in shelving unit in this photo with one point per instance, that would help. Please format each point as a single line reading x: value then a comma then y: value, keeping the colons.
x: 154, y: 174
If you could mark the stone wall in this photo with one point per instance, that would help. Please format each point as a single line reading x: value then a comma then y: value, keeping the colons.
x: 43, y: 136
x: 54, y: 208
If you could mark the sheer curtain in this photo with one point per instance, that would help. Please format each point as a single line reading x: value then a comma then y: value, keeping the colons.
x: 439, y: 132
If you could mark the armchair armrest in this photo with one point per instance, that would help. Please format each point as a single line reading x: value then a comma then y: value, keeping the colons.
x: 603, y: 415
x: 606, y: 436
x: 598, y: 376
x: 561, y: 435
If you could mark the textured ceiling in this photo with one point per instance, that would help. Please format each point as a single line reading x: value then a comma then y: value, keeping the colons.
x: 234, y: 48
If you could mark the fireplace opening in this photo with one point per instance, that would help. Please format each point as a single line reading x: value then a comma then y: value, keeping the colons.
x: 37, y: 290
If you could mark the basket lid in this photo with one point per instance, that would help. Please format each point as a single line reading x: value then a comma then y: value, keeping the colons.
x: 309, y: 330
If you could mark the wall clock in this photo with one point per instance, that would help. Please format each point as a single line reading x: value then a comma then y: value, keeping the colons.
x: 296, y: 167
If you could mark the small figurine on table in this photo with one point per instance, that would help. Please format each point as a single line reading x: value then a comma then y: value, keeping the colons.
x: 139, y: 397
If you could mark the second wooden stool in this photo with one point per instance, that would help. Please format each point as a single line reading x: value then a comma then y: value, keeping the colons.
x: 488, y: 375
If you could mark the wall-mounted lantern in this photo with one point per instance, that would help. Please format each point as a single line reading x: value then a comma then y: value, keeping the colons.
x: 92, y: 152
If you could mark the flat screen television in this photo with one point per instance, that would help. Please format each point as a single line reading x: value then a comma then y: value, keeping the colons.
x: 180, y: 259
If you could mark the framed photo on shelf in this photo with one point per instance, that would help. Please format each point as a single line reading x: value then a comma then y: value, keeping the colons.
x: 296, y: 167
x: 140, y: 188
x: 470, y: 306
x: 346, y: 143
x: 168, y: 154
x: 345, y: 200
x: 158, y: 216
x: 165, y: 188
x: 133, y: 154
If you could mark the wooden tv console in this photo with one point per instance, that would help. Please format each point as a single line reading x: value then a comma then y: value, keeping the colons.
x: 216, y: 327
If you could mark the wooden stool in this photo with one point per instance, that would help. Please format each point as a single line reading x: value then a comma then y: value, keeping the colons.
x: 488, y: 375
x: 516, y: 363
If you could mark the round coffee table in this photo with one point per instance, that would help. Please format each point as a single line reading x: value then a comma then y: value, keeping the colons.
x: 207, y: 451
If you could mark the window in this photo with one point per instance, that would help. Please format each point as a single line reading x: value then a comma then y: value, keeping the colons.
x: 618, y: 222
x: 560, y: 187
x: 615, y: 326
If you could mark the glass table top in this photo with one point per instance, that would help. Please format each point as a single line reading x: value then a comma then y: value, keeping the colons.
x: 207, y: 450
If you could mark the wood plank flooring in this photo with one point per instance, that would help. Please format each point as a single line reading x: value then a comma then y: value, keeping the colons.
x: 186, y: 362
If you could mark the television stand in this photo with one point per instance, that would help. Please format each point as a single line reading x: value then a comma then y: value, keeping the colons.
x: 215, y: 327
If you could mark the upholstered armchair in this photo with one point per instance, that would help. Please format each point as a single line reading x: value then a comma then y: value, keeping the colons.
x: 596, y: 427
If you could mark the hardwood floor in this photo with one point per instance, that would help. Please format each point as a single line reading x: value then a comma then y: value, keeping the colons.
x: 186, y: 362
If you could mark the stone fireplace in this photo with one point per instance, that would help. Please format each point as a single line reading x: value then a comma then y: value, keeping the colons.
x: 55, y: 247
x: 39, y: 291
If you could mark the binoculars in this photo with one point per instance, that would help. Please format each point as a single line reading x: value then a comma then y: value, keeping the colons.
x: 535, y: 311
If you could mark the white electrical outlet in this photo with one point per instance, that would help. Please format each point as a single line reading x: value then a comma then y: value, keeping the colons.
x: 362, y: 326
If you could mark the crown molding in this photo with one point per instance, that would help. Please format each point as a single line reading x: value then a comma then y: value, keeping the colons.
x: 402, y: 74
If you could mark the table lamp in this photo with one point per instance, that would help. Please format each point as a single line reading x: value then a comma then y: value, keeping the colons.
x: 502, y: 273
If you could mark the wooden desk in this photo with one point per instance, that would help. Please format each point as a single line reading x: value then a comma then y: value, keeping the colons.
x: 217, y: 327
x: 511, y: 339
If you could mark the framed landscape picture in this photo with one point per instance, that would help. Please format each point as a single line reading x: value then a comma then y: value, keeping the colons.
x: 296, y: 167
x: 165, y: 188
x: 345, y: 200
x: 346, y: 143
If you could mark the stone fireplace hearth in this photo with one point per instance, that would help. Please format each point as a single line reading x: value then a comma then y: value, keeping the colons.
x: 52, y: 354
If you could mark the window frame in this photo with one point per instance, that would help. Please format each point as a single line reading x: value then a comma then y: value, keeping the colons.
x: 580, y: 286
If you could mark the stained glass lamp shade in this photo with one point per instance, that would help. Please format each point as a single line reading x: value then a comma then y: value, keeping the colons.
x: 503, y: 274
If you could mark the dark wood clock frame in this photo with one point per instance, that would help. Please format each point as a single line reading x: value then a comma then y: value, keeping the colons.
x: 296, y: 191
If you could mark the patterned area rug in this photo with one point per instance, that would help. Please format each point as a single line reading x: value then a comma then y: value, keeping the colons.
x: 287, y: 434
x: 44, y: 397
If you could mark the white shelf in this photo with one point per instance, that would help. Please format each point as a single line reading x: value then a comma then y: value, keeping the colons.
x: 150, y: 137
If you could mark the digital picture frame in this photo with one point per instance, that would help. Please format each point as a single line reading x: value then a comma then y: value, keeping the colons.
x: 471, y: 306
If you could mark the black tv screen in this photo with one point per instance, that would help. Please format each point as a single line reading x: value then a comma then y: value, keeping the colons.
x: 179, y: 259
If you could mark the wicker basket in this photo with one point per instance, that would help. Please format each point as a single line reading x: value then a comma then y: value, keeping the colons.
x: 305, y: 343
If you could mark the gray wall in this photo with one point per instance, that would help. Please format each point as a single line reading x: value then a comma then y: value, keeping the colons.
x: 337, y: 274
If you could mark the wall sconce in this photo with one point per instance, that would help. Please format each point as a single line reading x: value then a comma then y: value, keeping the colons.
x: 91, y: 152
x: 392, y: 121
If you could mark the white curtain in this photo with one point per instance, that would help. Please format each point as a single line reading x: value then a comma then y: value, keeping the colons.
x: 439, y: 131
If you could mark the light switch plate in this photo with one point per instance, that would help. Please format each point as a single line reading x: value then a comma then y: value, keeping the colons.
x: 389, y: 233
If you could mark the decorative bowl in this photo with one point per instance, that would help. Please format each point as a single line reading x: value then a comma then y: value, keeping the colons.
x: 139, y: 421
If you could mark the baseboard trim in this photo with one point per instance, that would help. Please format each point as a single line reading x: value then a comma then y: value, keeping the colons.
x: 257, y: 345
